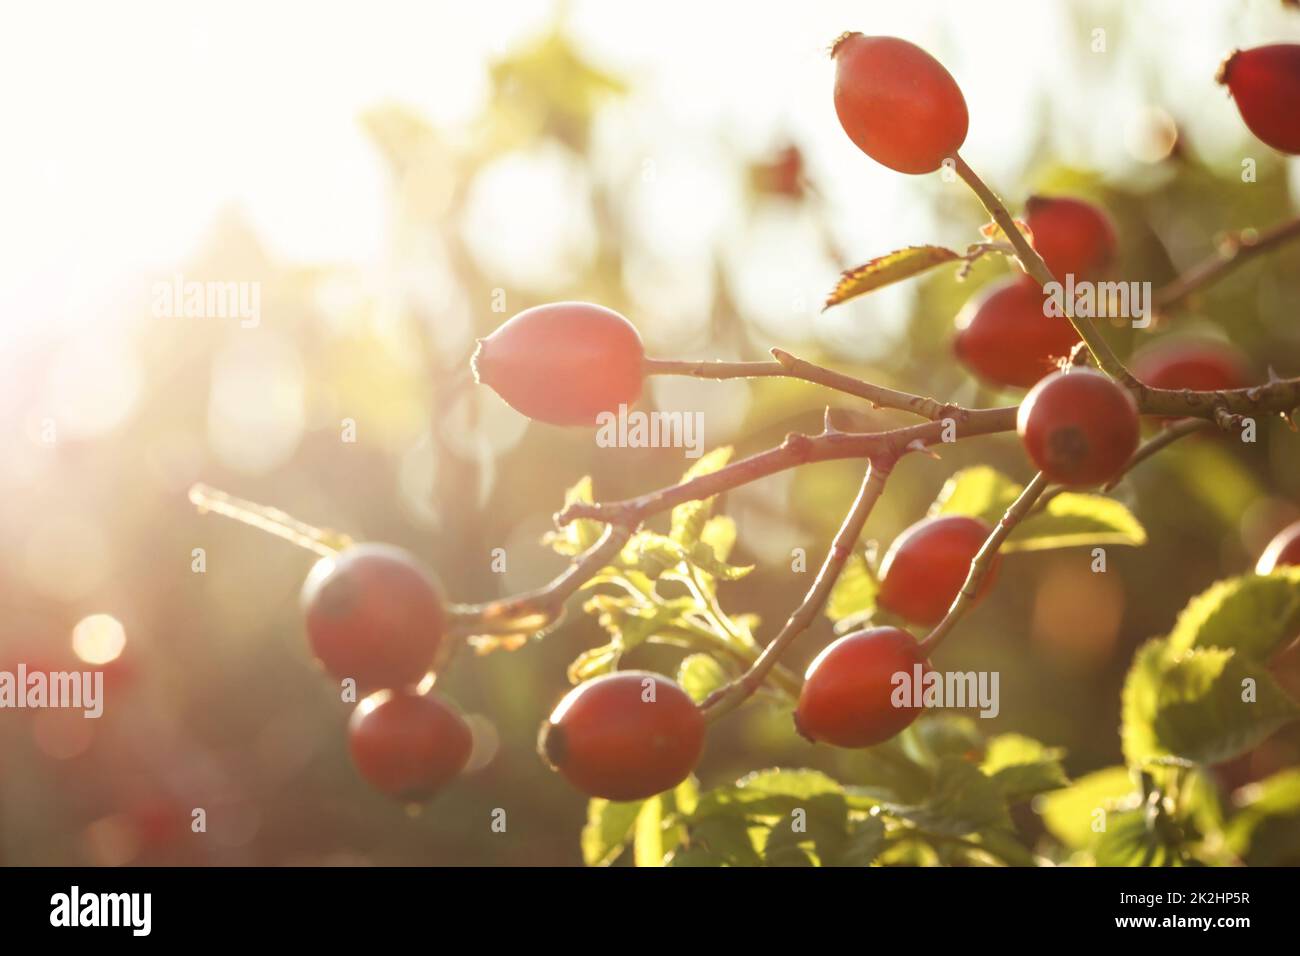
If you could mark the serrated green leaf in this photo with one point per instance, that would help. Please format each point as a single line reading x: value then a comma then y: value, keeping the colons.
x: 963, y: 801
x: 726, y: 837
x: 935, y: 736
x: 1073, y: 520
x: 886, y: 270
x: 817, y: 826
x: 979, y: 492
x: 700, y: 675
x: 577, y: 536
x: 1130, y: 840
x: 1269, y: 808
x: 1255, y: 614
x: 608, y: 830
x: 1189, y: 704
x: 703, y: 557
x: 855, y: 591
x: 593, y: 662
x: 865, y: 841
x: 1069, y: 814
x: 719, y: 533
x: 767, y: 793
x: 1022, y: 767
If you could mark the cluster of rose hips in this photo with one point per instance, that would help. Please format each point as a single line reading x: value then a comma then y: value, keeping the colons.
x: 375, y: 616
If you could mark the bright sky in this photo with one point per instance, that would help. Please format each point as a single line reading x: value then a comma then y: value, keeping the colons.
x: 129, y: 126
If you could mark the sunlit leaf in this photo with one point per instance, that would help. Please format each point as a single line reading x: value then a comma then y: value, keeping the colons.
x: 1254, y: 614
x: 886, y: 270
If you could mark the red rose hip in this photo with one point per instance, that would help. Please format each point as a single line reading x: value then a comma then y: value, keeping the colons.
x: 406, y: 745
x: 1078, y: 427
x: 1005, y: 338
x: 1073, y: 237
x: 897, y: 103
x: 375, y: 615
x: 927, y: 564
x: 1198, y: 364
x: 1282, y: 550
x: 563, y: 363
x: 850, y: 696
x: 1265, y: 83
x: 624, y: 736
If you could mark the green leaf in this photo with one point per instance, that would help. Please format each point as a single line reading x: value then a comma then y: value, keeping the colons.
x: 980, y: 492
x: 1255, y: 614
x: 690, y: 517
x: 700, y: 675
x: 594, y: 662
x: 1073, y: 520
x: 768, y: 793
x: 704, y: 558
x: 608, y: 830
x: 577, y: 536
x: 1267, y: 827
x: 963, y: 801
x: 1130, y: 840
x: 1069, y: 814
x: 719, y: 533
x: 725, y: 837
x: 855, y: 591
x: 1022, y: 767
x: 1069, y: 520
x: 816, y: 829
x: 865, y: 841
x: 935, y: 736
x: 1189, y: 704
x: 886, y: 270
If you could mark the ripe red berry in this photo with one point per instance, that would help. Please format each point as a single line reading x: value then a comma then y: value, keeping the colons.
x: 407, y: 745
x: 1283, y: 549
x: 1265, y: 82
x: 1073, y: 237
x: 563, y: 363
x: 1078, y: 427
x: 624, y: 736
x: 849, y: 690
x: 1005, y: 338
x: 897, y: 102
x: 927, y: 564
x: 375, y: 615
x: 1198, y: 364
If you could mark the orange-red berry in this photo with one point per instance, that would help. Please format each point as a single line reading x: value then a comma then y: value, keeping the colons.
x: 927, y: 564
x: 373, y: 614
x: 563, y: 363
x: 1282, y: 550
x: 1078, y: 427
x: 1265, y: 83
x: 897, y: 102
x: 850, y: 696
x: 1073, y: 237
x: 408, y: 746
x: 624, y: 736
x: 1197, y: 364
x: 1005, y: 337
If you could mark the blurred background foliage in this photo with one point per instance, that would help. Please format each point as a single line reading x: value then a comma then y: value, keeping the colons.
x: 571, y: 182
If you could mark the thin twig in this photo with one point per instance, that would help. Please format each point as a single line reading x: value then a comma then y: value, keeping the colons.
x: 791, y: 366
x: 1232, y: 253
x: 323, y: 541
x: 732, y: 695
x: 983, y: 560
x: 546, y: 602
x: 1034, y: 265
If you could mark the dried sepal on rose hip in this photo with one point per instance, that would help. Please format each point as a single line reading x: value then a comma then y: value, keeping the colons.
x: 850, y: 695
x: 897, y: 103
x: 927, y: 564
x: 563, y: 363
x: 624, y: 736
x: 408, y: 745
x: 1265, y: 84
x: 1078, y: 427
x: 374, y: 614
